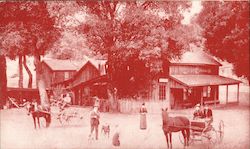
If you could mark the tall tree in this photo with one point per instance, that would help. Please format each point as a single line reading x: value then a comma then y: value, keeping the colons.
x: 3, y: 80
x: 130, y: 31
x: 38, y: 32
x: 28, y: 71
x: 226, y: 30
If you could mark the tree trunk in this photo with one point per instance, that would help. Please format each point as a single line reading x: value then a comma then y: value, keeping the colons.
x: 111, y: 99
x: 112, y: 93
x: 3, y: 81
x: 20, y: 68
x: 28, y: 71
x: 40, y: 81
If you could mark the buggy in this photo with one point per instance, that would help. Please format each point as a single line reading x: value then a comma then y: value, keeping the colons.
x: 203, y: 130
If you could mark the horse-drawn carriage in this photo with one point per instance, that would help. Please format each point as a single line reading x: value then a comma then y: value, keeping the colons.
x: 191, y: 130
x: 205, y: 131
x: 65, y: 116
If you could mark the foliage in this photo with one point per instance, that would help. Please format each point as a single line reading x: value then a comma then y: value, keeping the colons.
x: 30, y: 24
x: 32, y: 28
x: 135, y: 35
x: 226, y: 30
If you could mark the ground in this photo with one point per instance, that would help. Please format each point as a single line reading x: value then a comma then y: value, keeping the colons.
x: 17, y: 131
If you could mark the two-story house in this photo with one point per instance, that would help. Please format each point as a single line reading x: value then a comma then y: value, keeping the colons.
x: 55, y: 70
x: 194, y: 78
x: 84, y: 82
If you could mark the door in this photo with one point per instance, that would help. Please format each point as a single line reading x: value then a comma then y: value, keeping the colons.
x: 177, y: 94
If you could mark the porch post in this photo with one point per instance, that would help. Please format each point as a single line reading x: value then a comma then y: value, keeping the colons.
x: 168, y: 96
x: 238, y: 92
x: 215, y: 95
x: 227, y: 95
x: 202, y: 97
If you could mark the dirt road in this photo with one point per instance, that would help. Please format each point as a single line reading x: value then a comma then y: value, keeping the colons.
x: 17, y: 131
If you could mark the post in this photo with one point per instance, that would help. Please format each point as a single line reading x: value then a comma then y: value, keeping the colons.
x: 238, y: 92
x: 202, y: 97
x: 227, y: 95
x: 215, y: 95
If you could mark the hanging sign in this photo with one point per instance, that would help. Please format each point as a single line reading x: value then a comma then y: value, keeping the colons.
x: 163, y: 80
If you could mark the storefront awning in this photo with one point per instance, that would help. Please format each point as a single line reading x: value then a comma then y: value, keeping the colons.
x: 203, y: 80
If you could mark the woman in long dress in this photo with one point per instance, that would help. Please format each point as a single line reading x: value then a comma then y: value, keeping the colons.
x: 143, y: 119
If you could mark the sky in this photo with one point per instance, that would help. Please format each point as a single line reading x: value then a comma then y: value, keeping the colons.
x: 195, y: 9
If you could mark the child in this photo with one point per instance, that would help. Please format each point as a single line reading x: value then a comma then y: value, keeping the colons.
x: 116, y: 137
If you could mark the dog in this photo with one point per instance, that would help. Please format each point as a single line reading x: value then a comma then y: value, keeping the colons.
x: 106, y: 130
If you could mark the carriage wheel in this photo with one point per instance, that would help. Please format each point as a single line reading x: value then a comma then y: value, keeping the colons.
x: 221, y: 131
x: 63, y: 119
x: 74, y: 118
x: 209, y: 136
x: 191, y: 141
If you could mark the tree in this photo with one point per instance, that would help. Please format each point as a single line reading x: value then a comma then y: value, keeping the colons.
x: 3, y: 81
x: 36, y: 30
x: 128, y: 32
x: 226, y: 30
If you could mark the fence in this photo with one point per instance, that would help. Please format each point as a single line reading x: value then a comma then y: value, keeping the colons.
x: 133, y: 106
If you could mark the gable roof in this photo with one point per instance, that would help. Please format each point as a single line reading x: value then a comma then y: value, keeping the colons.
x: 99, y: 65
x: 195, y: 57
x: 66, y: 65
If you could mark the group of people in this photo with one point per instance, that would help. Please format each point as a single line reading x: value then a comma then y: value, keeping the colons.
x: 205, y: 113
x: 94, y: 122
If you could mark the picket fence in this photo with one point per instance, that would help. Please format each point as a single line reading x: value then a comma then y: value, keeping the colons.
x: 133, y: 106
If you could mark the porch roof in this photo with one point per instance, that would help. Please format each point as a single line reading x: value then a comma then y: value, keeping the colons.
x: 203, y: 80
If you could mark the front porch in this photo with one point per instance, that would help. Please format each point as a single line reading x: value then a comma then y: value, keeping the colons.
x: 188, y: 90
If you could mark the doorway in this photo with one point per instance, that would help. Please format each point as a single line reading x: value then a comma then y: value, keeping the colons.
x: 177, y: 95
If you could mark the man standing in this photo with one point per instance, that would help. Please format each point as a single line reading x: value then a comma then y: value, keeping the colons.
x: 94, y: 122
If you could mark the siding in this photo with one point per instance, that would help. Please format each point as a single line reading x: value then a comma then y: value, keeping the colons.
x: 88, y: 72
x: 58, y: 76
x: 193, y: 69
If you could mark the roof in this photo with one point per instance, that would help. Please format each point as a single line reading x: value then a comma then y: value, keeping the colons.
x: 98, y: 62
x: 58, y: 65
x: 195, y: 57
x: 203, y: 80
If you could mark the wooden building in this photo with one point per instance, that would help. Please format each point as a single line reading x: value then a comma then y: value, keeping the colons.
x: 55, y: 70
x: 194, y: 78
x: 90, y: 80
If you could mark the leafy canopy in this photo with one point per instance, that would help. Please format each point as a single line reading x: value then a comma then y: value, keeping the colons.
x: 226, y: 30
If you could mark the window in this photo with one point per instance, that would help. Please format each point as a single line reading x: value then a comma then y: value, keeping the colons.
x: 162, y: 92
x: 66, y: 75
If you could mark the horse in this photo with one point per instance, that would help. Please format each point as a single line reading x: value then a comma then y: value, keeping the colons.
x: 175, y: 124
x: 37, y: 113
